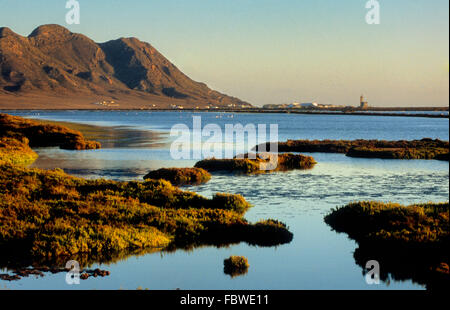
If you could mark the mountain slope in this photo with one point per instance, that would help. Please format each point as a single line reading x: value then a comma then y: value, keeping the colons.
x: 52, y: 61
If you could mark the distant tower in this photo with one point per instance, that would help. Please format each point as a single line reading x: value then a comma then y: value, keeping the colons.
x: 362, y: 103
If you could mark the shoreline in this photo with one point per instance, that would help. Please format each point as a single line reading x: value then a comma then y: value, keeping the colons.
x: 113, y: 136
x: 261, y: 111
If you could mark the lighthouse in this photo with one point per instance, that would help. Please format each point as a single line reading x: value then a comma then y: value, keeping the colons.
x: 362, y: 103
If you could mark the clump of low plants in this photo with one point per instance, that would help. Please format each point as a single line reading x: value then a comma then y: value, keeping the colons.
x: 408, y: 241
x: 180, y: 176
x: 44, y: 135
x: 16, y: 151
x: 399, y: 153
x: 245, y: 166
x: 236, y: 266
x: 290, y: 161
x: 231, y: 202
x: 413, y: 225
x: 258, y: 163
x: 416, y: 149
x: 271, y: 227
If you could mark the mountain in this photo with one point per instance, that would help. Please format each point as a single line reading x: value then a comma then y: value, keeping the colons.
x: 55, y: 68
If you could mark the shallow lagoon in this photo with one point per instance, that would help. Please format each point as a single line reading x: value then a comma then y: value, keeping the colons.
x: 317, y: 258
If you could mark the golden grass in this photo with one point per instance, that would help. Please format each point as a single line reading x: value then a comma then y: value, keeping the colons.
x: 48, y: 217
x: 180, y: 176
x: 415, y: 149
x: 236, y: 266
x: 409, y: 242
x: 44, y: 135
x: 16, y: 152
x: 413, y: 225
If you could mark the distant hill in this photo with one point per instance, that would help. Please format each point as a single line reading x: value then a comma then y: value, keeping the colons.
x: 55, y: 68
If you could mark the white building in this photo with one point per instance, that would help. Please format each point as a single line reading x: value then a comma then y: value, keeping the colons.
x: 309, y: 105
x: 294, y: 105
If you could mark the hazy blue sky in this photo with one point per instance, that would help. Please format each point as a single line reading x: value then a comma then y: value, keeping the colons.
x: 277, y: 51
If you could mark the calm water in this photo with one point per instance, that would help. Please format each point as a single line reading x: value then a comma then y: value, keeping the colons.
x: 317, y: 258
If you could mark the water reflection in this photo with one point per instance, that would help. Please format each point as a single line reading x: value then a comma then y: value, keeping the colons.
x: 400, y: 264
x: 118, y: 136
x: 16, y: 266
x: 124, y: 137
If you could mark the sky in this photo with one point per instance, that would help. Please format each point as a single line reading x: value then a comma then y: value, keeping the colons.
x: 277, y: 51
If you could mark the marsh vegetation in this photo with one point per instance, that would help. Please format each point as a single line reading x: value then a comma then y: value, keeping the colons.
x: 235, y: 266
x: 402, y: 149
x: 259, y: 163
x: 48, y: 216
x: 44, y: 135
x: 16, y: 151
x: 410, y: 242
x: 180, y: 176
